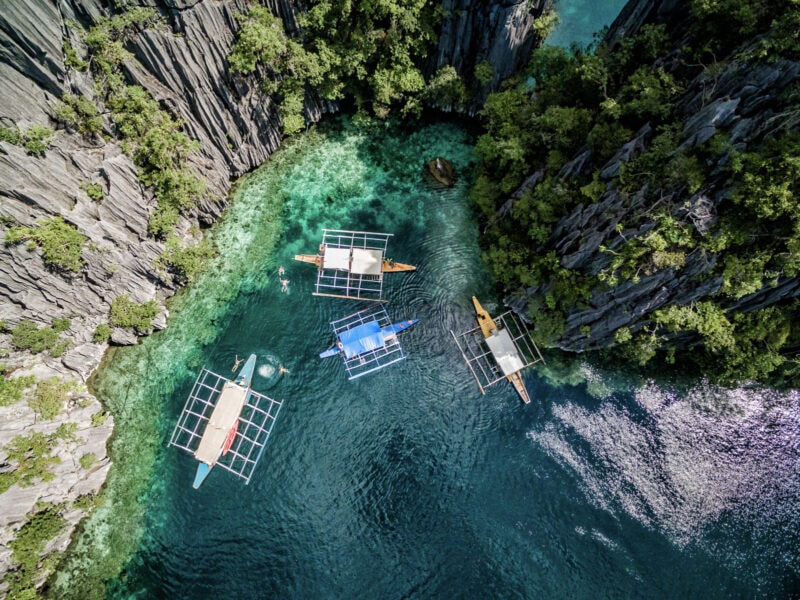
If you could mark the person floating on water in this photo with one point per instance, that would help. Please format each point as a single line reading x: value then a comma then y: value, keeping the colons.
x: 283, y: 369
x: 281, y: 270
x: 284, y: 285
x: 236, y: 362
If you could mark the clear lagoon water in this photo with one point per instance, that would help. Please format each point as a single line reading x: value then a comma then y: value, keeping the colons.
x: 408, y: 483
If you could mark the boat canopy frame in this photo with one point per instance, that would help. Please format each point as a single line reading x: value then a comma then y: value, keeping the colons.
x: 370, y: 360
x: 255, y: 424
x: 351, y: 265
x: 510, y: 350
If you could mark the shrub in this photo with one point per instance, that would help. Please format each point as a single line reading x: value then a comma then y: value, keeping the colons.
x: 72, y: 60
x: 11, y: 389
x: 186, y: 262
x: 88, y: 460
x: 102, y: 333
x: 99, y: 418
x: 27, y: 335
x: 61, y: 243
x: 94, y: 191
x: 36, y: 139
x: 80, y: 113
x: 126, y: 313
x: 27, y: 546
x: 50, y: 397
x: 31, y: 456
x: 446, y: 88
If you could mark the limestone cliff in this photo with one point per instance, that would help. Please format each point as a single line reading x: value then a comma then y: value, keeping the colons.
x: 737, y: 98
x: 182, y: 63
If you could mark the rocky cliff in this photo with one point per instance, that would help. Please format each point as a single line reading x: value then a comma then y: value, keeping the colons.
x: 739, y: 99
x: 182, y: 63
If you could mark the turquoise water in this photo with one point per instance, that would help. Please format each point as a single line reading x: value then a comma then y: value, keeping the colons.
x: 408, y: 483
x: 581, y: 19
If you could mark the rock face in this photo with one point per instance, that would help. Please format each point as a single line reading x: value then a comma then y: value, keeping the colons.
x: 498, y: 32
x: 183, y: 64
x: 737, y: 102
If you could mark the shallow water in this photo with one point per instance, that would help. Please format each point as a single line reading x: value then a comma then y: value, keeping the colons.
x: 408, y: 483
x: 581, y: 19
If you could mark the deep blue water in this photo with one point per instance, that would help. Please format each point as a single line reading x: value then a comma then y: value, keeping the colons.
x: 410, y: 484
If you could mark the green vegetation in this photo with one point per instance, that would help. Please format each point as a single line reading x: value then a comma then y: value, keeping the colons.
x: 27, y: 335
x: 35, y: 139
x: 364, y: 52
x: 11, y: 389
x: 99, y: 418
x: 88, y: 460
x: 185, y: 262
x: 79, y: 113
x: 94, y: 191
x: 31, y: 456
x: 72, y: 60
x: 50, y: 397
x: 139, y: 317
x: 151, y: 136
x: 61, y: 243
x: 599, y: 99
x: 102, y: 333
x: 27, y: 547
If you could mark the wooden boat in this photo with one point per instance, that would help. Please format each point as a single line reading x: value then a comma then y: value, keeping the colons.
x: 224, y: 421
x: 489, y: 330
x: 387, y: 266
x: 366, y: 337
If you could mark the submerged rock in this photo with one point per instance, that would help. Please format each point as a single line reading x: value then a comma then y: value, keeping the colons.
x: 443, y: 171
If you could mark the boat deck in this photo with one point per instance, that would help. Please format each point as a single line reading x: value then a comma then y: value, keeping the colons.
x: 373, y: 359
x: 498, y: 349
x: 256, y: 418
x: 222, y: 419
x: 351, y: 264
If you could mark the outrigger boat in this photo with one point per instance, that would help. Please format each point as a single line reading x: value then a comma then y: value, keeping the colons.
x: 367, y: 341
x: 387, y: 266
x: 503, y: 348
x: 507, y: 359
x: 351, y: 264
x: 225, y: 423
x: 366, y: 337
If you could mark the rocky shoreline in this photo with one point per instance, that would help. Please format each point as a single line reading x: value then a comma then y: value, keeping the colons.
x: 182, y: 63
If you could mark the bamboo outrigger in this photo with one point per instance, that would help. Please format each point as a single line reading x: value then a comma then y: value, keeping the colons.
x: 225, y: 423
x: 387, y: 266
x: 351, y: 264
x: 506, y: 341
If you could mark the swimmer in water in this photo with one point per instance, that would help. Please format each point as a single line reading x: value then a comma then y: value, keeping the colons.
x: 284, y: 285
x: 283, y: 369
x: 236, y: 362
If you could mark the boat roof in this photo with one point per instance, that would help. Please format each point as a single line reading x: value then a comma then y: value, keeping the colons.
x: 507, y: 351
x: 365, y: 348
x: 351, y: 264
x: 256, y: 418
x: 504, y: 351
x: 361, y: 339
x: 222, y: 419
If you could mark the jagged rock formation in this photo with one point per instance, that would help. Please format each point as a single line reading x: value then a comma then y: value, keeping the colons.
x: 738, y: 102
x: 499, y: 32
x: 183, y: 64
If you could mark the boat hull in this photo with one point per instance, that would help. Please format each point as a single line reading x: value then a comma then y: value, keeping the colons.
x: 388, y: 266
x: 488, y: 328
x: 203, y: 470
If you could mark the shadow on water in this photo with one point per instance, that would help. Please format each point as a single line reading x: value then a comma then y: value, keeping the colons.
x: 408, y: 482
